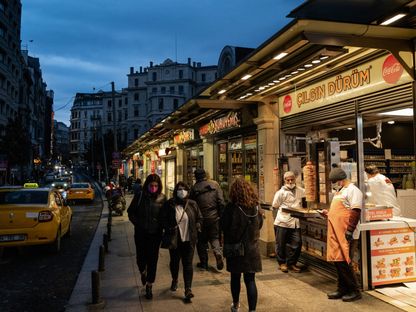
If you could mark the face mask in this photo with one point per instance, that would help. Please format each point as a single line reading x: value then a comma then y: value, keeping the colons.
x: 153, y: 188
x: 336, y: 186
x: 290, y: 186
x: 182, y: 194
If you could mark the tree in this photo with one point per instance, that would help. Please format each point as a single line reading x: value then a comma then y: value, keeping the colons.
x: 16, y: 144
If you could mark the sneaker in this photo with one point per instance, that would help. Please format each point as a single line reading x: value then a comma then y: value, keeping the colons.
x: 143, y: 277
x: 188, y: 293
x: 149, y: 294
x: 174, y: 285
x: 220, y: 262
x: 283, y: 267
x: 235, y: 308
x: 295, y: 268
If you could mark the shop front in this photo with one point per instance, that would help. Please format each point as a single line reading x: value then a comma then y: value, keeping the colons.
x: 361, y: 116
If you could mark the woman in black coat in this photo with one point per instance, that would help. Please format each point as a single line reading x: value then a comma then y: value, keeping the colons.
x: 181, y: 217
x: 241, y: 221
x: 144, y: 212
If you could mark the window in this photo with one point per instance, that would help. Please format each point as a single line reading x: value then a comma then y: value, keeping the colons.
x: 125, y: 114
x: 136, y: 111
x: 109, y: 103
x: 120, y: 103
x: 154, y: 90
x: 154, y: 76
x: 180, y: 89
x: 203, y: 77
x: 85, y: 114
x: 160, y: 104
x: 109, y: 119
x: 136, y: 82
x: 126, y: 100
x: 180, y: 74
x: 136, y: 133
x: 163, y: 90
x: 119, y: 115
x: 172, y: 90
x: 136, y: 96
x: 175, y: 104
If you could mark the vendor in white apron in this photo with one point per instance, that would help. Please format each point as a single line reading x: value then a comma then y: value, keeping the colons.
x: 343, y: 216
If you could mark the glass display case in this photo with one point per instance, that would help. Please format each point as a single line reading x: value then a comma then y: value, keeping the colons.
x: 194, y: 159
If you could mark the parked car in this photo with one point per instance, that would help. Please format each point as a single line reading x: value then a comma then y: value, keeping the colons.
x: 61, y: 183
x: 33, y: 216
x: 80, y: 191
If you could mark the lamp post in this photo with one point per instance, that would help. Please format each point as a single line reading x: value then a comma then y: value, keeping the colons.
x: 98, y: 119
x: 114, y: 124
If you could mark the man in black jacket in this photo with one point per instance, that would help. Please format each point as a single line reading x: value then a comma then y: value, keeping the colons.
x: 208, y: 195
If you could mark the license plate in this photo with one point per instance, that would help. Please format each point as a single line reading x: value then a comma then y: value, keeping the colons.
x: 12, y: 238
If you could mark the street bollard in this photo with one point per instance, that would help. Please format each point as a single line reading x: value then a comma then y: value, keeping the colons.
x: 95, y: 287
x: 105, y: 242
x: 101, y: 256
x: 109, y: 231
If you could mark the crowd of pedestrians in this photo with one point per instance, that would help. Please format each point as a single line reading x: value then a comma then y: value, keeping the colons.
x: 196, y: 218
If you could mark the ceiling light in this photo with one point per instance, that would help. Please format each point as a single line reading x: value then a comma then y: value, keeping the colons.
x: 390, y: 122
x: 393, y: 19
x: 324, y: 57
x: 222, y: 91
x: 301, y: 69
x: 280, y: 55
x: 245, y: 77
x: 256, y: 90
x: 282, y: 78
x: 316, y: 61
x: 294, y: 72
x: 276, y: 81
x: 349, y: 128
x: 271, y: 83
x: 308, y: 65
x: 287, y: 76
x: 249, y: 94
x: 262, y: 88
x: 407, y: 112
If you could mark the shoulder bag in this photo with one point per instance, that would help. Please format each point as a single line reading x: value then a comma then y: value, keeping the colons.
x: 170, y: 237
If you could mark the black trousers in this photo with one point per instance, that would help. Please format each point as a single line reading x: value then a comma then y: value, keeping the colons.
x: 184, y: 252
x: 251, y: 288
x: 210, y: 233
x: 147, y: 252
x: 346, y: 279
x: 288, y: 245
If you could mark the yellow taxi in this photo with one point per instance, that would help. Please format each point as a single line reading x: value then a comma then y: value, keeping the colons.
x: 33, y: 216
x: 81, y: 191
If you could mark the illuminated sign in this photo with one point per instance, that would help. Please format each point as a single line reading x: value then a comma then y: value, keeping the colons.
x: 184, y: 136
x: 232, y: 120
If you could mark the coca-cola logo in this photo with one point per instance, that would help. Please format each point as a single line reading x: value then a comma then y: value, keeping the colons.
x: 392, y: 70
x: 287, y: 104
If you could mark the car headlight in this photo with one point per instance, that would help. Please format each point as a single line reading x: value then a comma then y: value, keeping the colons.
x: 65, y: 184
x: 53, y: 184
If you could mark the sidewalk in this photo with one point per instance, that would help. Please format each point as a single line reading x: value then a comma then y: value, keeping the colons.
x: 121, y: 288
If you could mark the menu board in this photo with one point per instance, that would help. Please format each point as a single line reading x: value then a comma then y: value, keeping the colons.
x: 392, y: 256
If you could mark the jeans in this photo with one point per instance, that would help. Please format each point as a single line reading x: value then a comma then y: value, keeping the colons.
x: 185, y: 252
x: 288, y: 245
x: 147, y: 252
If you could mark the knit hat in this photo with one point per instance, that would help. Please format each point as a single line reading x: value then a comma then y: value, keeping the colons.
x: 337, y: 174
x: 200, y: 174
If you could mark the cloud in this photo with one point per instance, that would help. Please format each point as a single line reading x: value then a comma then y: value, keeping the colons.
x: 74, y: 64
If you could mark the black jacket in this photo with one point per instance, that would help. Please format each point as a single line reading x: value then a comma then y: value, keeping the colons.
x: 237, y: 225
x: 209, y: 198
x: 146, y: 214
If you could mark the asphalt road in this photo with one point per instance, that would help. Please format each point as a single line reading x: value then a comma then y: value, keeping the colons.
x: 33, y: 279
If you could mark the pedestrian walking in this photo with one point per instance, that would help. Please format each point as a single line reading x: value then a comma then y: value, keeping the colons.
x: 241, y: 223
x: 181, y: 220
x: 144, y: 212
x: 210, y: 200
x: 137, y: 186
x: 343, y: 216
x: 287, y: 228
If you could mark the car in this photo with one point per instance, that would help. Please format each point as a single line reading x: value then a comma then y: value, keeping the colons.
x: 49, y: 177
x: 61, y: 183
x: 80, y: 191
x: 33, y: 216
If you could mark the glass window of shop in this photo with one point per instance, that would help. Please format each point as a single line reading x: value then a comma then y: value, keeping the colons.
x: 194, y: 159
x: 237, y: 158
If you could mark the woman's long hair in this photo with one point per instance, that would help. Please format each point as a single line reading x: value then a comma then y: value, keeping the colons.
x: 243, y: 194
x: 152, y: 178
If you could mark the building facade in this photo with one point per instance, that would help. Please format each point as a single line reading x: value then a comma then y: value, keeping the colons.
x: 61, y: 140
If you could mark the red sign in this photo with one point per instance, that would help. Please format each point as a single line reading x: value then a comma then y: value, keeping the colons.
x: 287, y: 104
x: 392, y: 70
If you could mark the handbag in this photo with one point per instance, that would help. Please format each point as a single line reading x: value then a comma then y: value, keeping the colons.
x: 170, y: 237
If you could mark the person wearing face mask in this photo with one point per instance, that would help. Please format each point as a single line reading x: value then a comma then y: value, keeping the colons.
x: 287, y: 228
x: 144, y: 212
x: 343, y: 216
x: 182, y: 213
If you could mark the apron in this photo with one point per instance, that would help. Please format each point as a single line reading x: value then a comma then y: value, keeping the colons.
x: 337, y: 245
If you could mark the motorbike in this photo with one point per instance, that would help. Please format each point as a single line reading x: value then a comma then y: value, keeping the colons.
x: 117, y: 204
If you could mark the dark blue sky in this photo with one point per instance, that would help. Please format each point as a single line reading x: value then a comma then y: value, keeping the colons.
x: 86, y: 44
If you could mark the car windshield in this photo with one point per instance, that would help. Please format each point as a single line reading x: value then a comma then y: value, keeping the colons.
x: 79, y: 185
x: 3, y: 196
x: 26, y: 197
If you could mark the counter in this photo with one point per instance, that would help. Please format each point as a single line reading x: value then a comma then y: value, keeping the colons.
x: 394, y: 223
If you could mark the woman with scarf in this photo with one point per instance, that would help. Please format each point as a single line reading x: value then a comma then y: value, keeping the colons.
x: 182, y: 218
x: 144, y: 212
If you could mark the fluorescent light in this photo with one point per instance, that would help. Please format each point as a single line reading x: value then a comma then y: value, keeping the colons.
x: 271, y: 83
x: 257, y: 90
x: 282, y: 78
x: 246, y: 77
x: 280, y: 55
x: 324, y: 57
x: 294, y: 72
x: 407, y: 112
x: 222, y: 91
x: 390, y: 122
x: 301, y: 69
x: 276, y: 81
x: 248, y: 94
x: 262, y: 88
x: 308, y: 65
x: 393, y: 19
x: 316, y: 61
x: 349, y: 128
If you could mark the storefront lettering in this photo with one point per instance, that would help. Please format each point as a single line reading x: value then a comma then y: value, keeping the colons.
x: 184, y: 136
x: 232, y: 120
x: 341, y: 83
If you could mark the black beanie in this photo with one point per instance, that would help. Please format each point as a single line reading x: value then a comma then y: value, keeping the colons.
x: 200, y: 174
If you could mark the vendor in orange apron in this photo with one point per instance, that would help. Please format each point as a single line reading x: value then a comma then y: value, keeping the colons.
x: 343, y: 217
